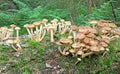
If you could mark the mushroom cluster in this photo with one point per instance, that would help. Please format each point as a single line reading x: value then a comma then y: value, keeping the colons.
x: 106, y: 28
x: 38, y: 30
x: 6, y: 35
x: 85, y: 40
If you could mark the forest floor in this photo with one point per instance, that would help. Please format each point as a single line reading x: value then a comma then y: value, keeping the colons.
x: 44, y: 58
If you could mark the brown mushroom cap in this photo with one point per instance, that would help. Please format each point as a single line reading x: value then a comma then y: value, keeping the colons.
x: 91, y: 35
x: 12, y: 25
x: 86, y: 40
x: 68, y: 23
x: 93, y: 42
x: 45, y: 20
x: 26, y: 25
x: 58, y: 43
x: 76, y: 45
x: 79, y: 52
x: 65, y: 41
x: 17, y: 28
x: 10, y: 41
x: 74, y: 28
x: 103, y: 44
x: 72, y: 50
x: 36, y: 23
x: 94, y: 49
x: 93, y: 22
x: 80, y: 36
x: 31, y: 26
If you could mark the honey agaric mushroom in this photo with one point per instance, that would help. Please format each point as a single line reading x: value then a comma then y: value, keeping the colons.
x: 94, y: 23
x: 73, y: 31
x: 79, y: 37
x: 8, y: 35
x: 51, y: 29
x: 31, y: 31
x: 12, y: 43
x: 67, y: 43
x: 27, y: 27
x: 13, y: 26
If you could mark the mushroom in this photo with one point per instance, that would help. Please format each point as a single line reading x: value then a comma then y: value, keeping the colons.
x: 51, y: 29
x: 12, y: 43
x: 13, y: 26
x: 94, y: 23
x: 67, y: 43
x: 27, y: 27
x: 73, y: 31
x: 31, y: 31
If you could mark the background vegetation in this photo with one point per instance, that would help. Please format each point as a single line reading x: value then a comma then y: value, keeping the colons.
x: 79, y: 12
x: 33, y: 58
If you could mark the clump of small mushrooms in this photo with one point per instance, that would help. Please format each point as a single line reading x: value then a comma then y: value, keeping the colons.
x: 6, y: 35
x: 106, y: 28
x: 85, y: 40
x: 38, y: 30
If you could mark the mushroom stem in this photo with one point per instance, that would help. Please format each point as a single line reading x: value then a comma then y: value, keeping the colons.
x: 40, y: 31
x: 32, y: 34
x: 74, y: 35
x: 51, y: 35
x: 17, y: 34
x: 19, y: 46
x: 14, y: 47
x: 66, y: 48
x: 86, y: 54
x: 28, y: 32
x: 43, y: 35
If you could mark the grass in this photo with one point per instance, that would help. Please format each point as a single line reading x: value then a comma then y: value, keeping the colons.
x: 32, y: 60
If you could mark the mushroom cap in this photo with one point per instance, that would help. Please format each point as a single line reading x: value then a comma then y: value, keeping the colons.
x: 84, y: 29
x: 26, y: 25
x: 31, y: 26
x: 45, y: 27
x: 112, y: 25
x: 80, y: 36
x: 36, y: 23
x: 86, y: 40
x: 107, y: 28
x: 45, y: 20
x: 72, y: 51
x: 79, y: 52
x: 70, y: 37
x: 62, y: 20
x: 51, y: 27
x: 58, y: 43
x: 94, y: 49
x: 76, y: 45
x: 17, y: 28
x: 93, y: 31
x: 74, y: 28
x: 105, y: 39
x: 68, y: 23
x: 93, y: 42
x: 10, y: 42
x: 93, y: 22
x: 11, y: 30
x: 15, y: 41
x: 103, y: 31
x: 91, y: 35
x: 103, y: 44
x: 65, y: 41
x: 54, y: 21
x: 12, y: 25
